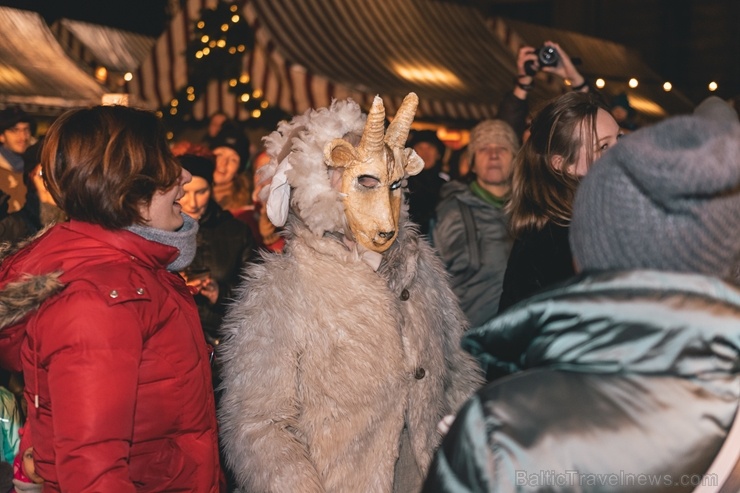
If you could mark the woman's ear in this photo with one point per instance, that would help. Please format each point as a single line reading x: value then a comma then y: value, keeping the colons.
x: 557, y: 161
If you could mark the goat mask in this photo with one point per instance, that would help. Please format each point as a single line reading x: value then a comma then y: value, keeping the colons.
x: 373, y: 172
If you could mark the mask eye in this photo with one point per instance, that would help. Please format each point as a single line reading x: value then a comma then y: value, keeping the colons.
x: 396, y: 185
x: 368, y: 181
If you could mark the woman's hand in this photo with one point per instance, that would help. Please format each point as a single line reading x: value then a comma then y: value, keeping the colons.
x: 205, y: 286
x: 565, y: 68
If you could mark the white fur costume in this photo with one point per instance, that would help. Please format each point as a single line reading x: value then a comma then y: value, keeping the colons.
x: 335, y: 374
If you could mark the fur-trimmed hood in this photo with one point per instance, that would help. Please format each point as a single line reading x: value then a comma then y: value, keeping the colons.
x: 25, y: 294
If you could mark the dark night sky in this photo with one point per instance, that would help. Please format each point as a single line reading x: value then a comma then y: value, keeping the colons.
x: 143, y: 16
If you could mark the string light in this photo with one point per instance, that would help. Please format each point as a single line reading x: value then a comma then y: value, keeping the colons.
x: 600, y: 83
x: 633, y: 83
x: 667, y: 86
x: 713, y: 86
x: 222, y: 36
x: 128, y: 76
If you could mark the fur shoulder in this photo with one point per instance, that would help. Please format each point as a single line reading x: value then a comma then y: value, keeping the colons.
x: 21, y: 297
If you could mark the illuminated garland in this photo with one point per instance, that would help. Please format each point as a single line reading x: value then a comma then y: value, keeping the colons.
x: 221, y: 39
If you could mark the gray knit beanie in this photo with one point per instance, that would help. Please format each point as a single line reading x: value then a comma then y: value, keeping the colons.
x: 666, y: 198
x: 496, y: 132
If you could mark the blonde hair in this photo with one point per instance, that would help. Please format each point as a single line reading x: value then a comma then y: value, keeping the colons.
x: 541, y: 191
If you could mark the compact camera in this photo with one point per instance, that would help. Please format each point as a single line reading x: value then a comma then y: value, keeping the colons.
x: 547, y: 56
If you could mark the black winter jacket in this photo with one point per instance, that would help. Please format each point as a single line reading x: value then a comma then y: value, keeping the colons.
x: 225, y: 245
x: 539, y: 259
x: 617, y: 382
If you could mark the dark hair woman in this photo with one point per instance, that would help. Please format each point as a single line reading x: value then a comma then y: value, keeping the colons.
x: 106, y: 333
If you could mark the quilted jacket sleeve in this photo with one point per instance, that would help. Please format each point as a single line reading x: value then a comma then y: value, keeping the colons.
x: 91, y: 350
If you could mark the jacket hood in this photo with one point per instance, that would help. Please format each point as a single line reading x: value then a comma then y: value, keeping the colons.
x: 25, y: 294
x: 638, y: 321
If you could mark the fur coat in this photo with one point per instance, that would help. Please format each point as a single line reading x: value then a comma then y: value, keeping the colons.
x: 332, y: 370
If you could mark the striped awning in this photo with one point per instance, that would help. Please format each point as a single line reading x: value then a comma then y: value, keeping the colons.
x: 96, y: 45
x: 308, y: 52
x: 460, y: 63
x: 34, y: 70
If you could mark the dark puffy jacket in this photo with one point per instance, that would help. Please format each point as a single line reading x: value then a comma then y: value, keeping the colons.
x: 110, y: 346
x: 617, y: 382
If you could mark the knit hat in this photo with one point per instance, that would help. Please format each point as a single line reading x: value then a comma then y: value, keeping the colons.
x: 429, y: 136
x: 198, y: 166
x: 12, y: 116
x: 496, y: 132
x: 666, y: 198
x: 232, y: 137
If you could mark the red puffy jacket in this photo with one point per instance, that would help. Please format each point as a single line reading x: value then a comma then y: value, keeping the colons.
x: 112, y: 352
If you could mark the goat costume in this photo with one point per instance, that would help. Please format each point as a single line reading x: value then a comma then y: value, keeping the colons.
x: 341, y: 355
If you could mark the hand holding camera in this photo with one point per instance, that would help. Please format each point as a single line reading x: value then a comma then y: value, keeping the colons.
x: 550, y: 58
x: 547, y: 56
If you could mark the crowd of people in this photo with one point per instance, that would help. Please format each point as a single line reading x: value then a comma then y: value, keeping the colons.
x: 353, y: 307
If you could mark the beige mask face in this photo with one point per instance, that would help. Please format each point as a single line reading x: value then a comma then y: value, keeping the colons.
x: 373, y: 172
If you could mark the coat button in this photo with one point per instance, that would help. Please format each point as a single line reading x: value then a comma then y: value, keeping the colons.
x: 140, y: 291
x: 404, y: 295
x: 419, y: 373
x: 114, y: 294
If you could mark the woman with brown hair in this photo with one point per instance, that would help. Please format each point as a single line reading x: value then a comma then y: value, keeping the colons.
x: 567, y: 136
x: 106, y: 333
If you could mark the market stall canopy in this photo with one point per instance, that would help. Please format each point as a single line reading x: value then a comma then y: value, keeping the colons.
x: 102, y: 46
x: 35, y: 72
x: 307, y: 53
x: 460, y: 63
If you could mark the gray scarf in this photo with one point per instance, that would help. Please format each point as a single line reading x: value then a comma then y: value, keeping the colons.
x: 183, y: 239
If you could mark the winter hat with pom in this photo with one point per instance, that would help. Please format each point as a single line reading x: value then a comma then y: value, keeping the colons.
x: 666, y: 198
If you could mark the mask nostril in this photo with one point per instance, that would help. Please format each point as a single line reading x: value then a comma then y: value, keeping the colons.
x: 386, y: 235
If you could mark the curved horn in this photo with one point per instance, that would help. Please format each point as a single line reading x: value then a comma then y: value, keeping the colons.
x: 372, y: 136
x: 398, y: 130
